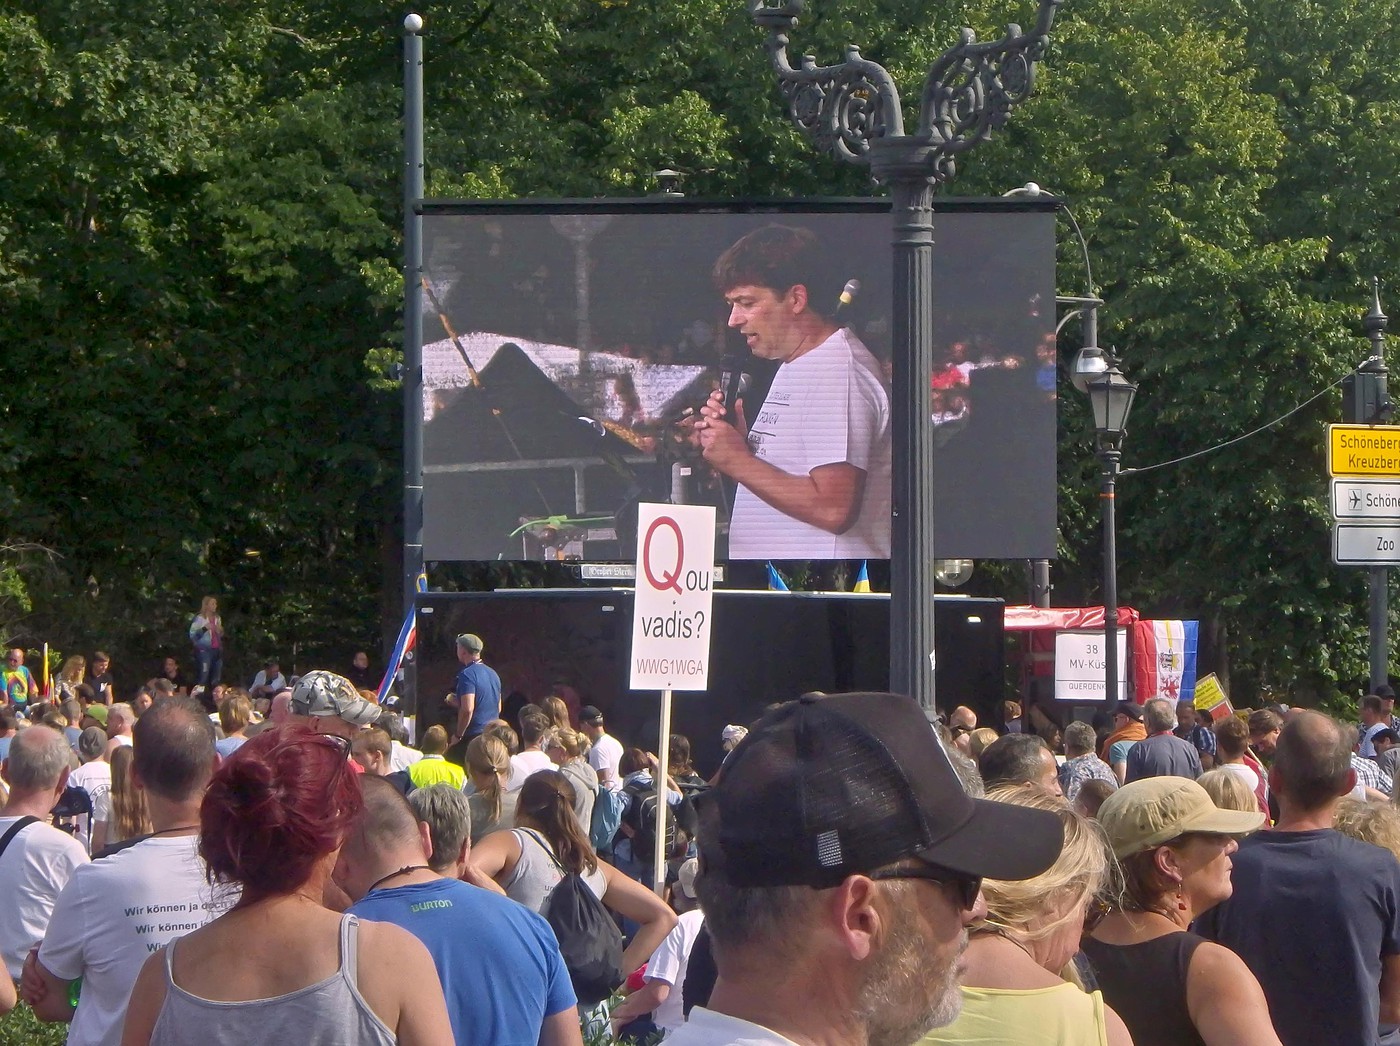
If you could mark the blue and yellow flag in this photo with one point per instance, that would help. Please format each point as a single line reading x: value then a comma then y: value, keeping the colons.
x: 775, y: 580
x: 863, y: 578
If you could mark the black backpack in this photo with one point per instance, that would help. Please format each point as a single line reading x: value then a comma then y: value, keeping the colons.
x: 639, y: 822
x: 589, y: 940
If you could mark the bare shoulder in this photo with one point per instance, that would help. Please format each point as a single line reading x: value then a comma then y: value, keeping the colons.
x: 1117, y: 1031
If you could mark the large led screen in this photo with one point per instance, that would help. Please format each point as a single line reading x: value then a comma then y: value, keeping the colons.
x: 580, y: 358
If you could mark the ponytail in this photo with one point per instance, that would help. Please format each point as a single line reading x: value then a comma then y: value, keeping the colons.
x: 488, y: 757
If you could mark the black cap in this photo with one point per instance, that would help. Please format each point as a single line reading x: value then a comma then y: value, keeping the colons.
x: 827, y: 787
x: 1130, y: 710
x: 590, y: 714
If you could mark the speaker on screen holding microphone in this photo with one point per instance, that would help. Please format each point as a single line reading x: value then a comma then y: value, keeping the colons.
x: 812, y: 466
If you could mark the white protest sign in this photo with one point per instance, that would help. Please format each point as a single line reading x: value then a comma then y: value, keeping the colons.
x: 1080, y: 673
x: 671, y: 618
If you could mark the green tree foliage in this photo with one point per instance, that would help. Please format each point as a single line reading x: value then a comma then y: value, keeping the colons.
x: 199, y: 250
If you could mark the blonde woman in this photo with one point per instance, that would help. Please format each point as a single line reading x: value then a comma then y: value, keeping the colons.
x: 1374, y: 823
x: 557, y: 711
x: 1014, y: 985
x: 488, y: 770
x: 568, y: 750
x: 70, y: 677
x: 207, y: 635
x: 1229, y: 791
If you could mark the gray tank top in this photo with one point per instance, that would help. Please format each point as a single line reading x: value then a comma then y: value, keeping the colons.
x: 537, y: 873
x: 331, y: 1013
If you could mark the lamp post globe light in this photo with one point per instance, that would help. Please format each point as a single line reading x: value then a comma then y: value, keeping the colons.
x: 1111, y: 400
x: 852, y: 111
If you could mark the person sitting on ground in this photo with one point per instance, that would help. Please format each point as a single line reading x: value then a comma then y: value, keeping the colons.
x: 1081, y: 764
x: 1014, y: 987
x: 1020, y: 760
x: 534, y: 733
x: 498, y: 963
x: 434, y: 768
x: 1228, y: 791
x: 531, y: 860
x: 1175, y: 846
x: 234, y: 716
x: 1161, y: 753
x: 373, y: 750
x: 278, y: 967
x: 269, y: 681
x: 492, y: 806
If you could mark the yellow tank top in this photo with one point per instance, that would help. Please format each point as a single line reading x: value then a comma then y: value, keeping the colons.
x: 1058, y: 1016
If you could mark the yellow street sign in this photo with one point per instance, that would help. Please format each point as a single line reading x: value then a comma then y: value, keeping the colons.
x: 1363, y: 450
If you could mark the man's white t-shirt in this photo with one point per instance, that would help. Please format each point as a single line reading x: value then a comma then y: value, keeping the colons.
x: 826, y: 407
x: 34, y: 869
x: 1367, y: 747
x: 708, y: 1028
x: 524, y: 764
x: 95, y: 778
x: 605, y: 757
x: 113, y: 914
x: 668, y: 964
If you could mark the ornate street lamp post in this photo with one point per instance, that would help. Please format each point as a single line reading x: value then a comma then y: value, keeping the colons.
x: 1111, y: 397
x: 852, y: 111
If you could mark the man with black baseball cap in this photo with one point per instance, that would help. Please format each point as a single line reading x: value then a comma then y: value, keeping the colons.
x: 840, y: 866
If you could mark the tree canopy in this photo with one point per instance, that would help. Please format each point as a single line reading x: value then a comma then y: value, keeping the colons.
x: 199, y: 251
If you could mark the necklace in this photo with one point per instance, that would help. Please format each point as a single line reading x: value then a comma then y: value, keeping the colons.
x: 172, y: 831
x: 394, y: 875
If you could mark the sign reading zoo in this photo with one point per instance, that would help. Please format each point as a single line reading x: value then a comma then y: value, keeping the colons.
x: 671, y: 622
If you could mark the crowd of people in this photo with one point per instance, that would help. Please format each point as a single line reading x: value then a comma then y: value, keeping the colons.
x: 291, y: 868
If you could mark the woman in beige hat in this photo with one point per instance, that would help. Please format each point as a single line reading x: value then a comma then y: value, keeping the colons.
x: 1171, y: 987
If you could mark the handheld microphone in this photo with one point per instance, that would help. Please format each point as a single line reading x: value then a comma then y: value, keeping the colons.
x: 732, y: 379
x: 848, y: 294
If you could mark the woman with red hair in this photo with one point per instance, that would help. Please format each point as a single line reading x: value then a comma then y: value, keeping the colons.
x: 279, y: 966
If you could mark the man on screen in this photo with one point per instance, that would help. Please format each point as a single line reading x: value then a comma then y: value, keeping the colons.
x: 813, y: 468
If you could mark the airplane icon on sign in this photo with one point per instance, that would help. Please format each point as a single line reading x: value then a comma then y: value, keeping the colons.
x: 1355, y: 499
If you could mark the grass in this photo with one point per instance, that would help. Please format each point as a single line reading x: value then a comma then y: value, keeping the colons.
x: 21, y: 1028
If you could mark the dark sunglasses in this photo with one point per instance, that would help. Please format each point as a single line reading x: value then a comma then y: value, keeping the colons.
x: 966, y: 887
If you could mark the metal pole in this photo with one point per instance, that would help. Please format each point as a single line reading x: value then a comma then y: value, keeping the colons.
x: 853, y: 111
x: 1110, y: 575
x: 412, y: 334
x: 903, y: 165
x: 1374, y: 323
x: 663, y: 770
x: 1040, y: 582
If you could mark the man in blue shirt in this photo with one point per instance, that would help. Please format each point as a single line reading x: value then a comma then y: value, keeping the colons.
x: 499, y: 962
x: 478, y: 691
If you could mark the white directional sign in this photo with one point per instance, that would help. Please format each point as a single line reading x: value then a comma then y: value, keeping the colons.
x: 671, y: 621
x: 1366, y: 545
x: 1366, y: 499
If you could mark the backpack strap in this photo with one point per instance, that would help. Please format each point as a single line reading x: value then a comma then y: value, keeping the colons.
x: 15, y: 829
x: 543, y: 845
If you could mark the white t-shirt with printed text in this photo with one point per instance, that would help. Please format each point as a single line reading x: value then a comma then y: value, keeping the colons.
x: 828, y: 406
x: 113, y: 914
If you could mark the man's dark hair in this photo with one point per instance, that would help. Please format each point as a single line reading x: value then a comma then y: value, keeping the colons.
x: 1312, y: 760
x: 1373, y: 704
x: 86, y: 694
x: 1263, y: 721
x: 1386, y: 734
x: 392, y: 724
x: 1012, y: 759
x: 173, y: 749
x: 778, y: 257
x: 8, y: 722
